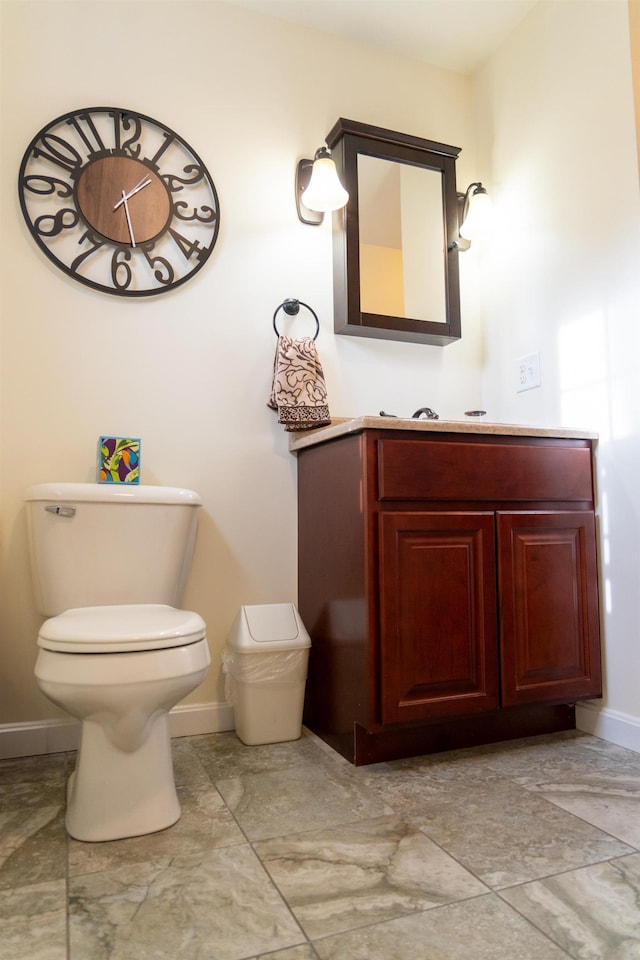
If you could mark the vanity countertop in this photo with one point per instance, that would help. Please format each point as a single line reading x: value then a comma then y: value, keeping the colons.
x: 341, y: 426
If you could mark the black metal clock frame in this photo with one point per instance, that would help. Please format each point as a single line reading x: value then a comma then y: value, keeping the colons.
x: 51, y: 169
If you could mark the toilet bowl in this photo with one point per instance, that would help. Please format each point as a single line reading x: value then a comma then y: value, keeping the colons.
x: 120, y: 666
x: 123, y: 784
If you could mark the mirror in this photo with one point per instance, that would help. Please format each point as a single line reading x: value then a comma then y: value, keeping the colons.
x: 401, y: 240
x: 395, y: 257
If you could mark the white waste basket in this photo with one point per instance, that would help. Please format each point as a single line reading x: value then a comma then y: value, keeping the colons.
x: 265, y: 663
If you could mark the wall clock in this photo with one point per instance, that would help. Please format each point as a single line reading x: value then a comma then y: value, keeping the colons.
x: 119, y: 201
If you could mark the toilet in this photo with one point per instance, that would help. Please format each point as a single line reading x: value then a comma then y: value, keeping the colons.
x: 109, y: 563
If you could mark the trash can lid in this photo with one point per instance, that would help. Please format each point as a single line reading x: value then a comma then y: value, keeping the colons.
x: 268, y: 626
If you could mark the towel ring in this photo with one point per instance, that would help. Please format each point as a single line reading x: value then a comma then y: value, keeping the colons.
x: 292, y: 308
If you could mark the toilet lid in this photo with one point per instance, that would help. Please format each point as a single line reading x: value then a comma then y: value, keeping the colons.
x: 120, y: 628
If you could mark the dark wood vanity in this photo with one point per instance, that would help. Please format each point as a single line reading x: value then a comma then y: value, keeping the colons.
x: 448, y: 579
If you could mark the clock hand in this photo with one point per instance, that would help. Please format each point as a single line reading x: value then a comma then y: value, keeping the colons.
x: 123, y: 200
x: 126, y: 213
x: 143, y: 183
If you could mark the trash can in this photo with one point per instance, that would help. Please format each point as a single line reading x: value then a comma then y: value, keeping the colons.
x: 265, y: 663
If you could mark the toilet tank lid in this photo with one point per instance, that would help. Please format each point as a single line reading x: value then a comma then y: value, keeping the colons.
x: 111, y: 492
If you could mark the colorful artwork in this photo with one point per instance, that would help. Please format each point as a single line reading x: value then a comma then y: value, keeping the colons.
x: 118, y: 460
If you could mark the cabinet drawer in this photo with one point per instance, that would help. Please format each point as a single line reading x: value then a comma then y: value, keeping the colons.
x: 459, y: 470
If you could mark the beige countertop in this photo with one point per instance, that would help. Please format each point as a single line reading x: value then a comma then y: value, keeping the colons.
x: 341, y: 426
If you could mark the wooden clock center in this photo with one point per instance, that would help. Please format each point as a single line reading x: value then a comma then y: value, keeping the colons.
x: 99, y: 195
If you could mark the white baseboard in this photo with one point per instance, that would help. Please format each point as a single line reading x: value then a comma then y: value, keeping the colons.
x: 57, y: 736
x: 187, y: 720
x: 37, y: 736
x: 191, y: 719
x: 611, y: 725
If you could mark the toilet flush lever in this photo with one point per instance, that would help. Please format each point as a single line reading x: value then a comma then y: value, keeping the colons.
x: 61, y: 510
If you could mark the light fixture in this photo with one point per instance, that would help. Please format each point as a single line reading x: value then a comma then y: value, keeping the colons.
x: 475, y: 212
x: 318, y: 187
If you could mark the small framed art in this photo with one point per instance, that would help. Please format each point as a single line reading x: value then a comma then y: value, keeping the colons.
x: 118, y: 460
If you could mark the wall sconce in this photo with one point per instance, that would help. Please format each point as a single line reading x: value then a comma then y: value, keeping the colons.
x: 318, y: 188
x: 474, y: 215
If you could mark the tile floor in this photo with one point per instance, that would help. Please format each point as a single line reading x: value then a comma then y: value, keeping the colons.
x: 528, y: 850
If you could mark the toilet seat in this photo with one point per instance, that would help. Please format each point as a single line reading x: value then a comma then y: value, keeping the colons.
x: 121, y: 628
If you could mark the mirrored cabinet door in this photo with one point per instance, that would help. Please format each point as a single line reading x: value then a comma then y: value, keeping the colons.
x: 395, y: 258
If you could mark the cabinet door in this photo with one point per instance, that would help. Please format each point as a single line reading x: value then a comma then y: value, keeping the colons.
x: 438, y: 635
x: 550, y: 638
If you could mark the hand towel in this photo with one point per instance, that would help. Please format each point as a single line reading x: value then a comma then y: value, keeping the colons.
x: 298, y: 392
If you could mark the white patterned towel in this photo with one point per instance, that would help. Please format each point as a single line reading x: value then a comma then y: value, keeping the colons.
x: 298, y: 392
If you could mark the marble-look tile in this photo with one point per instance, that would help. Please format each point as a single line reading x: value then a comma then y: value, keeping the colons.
x: 610, y: 804
x: 598, y: 782
x: 500, y: 832
x: 187, y: 766
x: 205, y: 823
x: 484, y: 929
x: 351, y: 849
x: 300, y: 798
x: 33, y: 846
x: 448, y: 765
x: 344, y: 877
x: 612, y: 750
x: 593, y: 913
x: 38, y: 781
x: 304, y: 952
x: 327, y: 749
x: 463, y: 765
x: 220, y: 906
x: 33, y: 922
x: 563, y: 760
x: 224, y: 755
x: 508, y: 759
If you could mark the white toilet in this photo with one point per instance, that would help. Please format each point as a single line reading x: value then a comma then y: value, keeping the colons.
x: 109, y: 563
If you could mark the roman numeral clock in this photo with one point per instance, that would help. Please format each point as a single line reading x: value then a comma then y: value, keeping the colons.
x: 118, y: 201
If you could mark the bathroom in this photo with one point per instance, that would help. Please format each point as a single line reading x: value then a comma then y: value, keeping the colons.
x: 553, y: 138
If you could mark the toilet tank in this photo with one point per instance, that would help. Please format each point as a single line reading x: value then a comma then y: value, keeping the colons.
x: 92, y: 544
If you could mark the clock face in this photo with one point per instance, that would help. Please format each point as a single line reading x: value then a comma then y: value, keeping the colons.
x: 119, y: 201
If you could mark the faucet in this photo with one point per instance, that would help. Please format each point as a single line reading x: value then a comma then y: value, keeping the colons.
x: 425, y: 413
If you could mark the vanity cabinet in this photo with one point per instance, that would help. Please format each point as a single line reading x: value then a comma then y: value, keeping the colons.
x: 449, y: 584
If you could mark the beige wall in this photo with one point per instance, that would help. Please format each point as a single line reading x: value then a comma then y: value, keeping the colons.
x: 634, y: 29
x: 189, y: 371
x: 555, y: 123
x: 381, y: 286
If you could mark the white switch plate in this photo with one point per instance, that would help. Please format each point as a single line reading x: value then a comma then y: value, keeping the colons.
x: 528, y: 372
